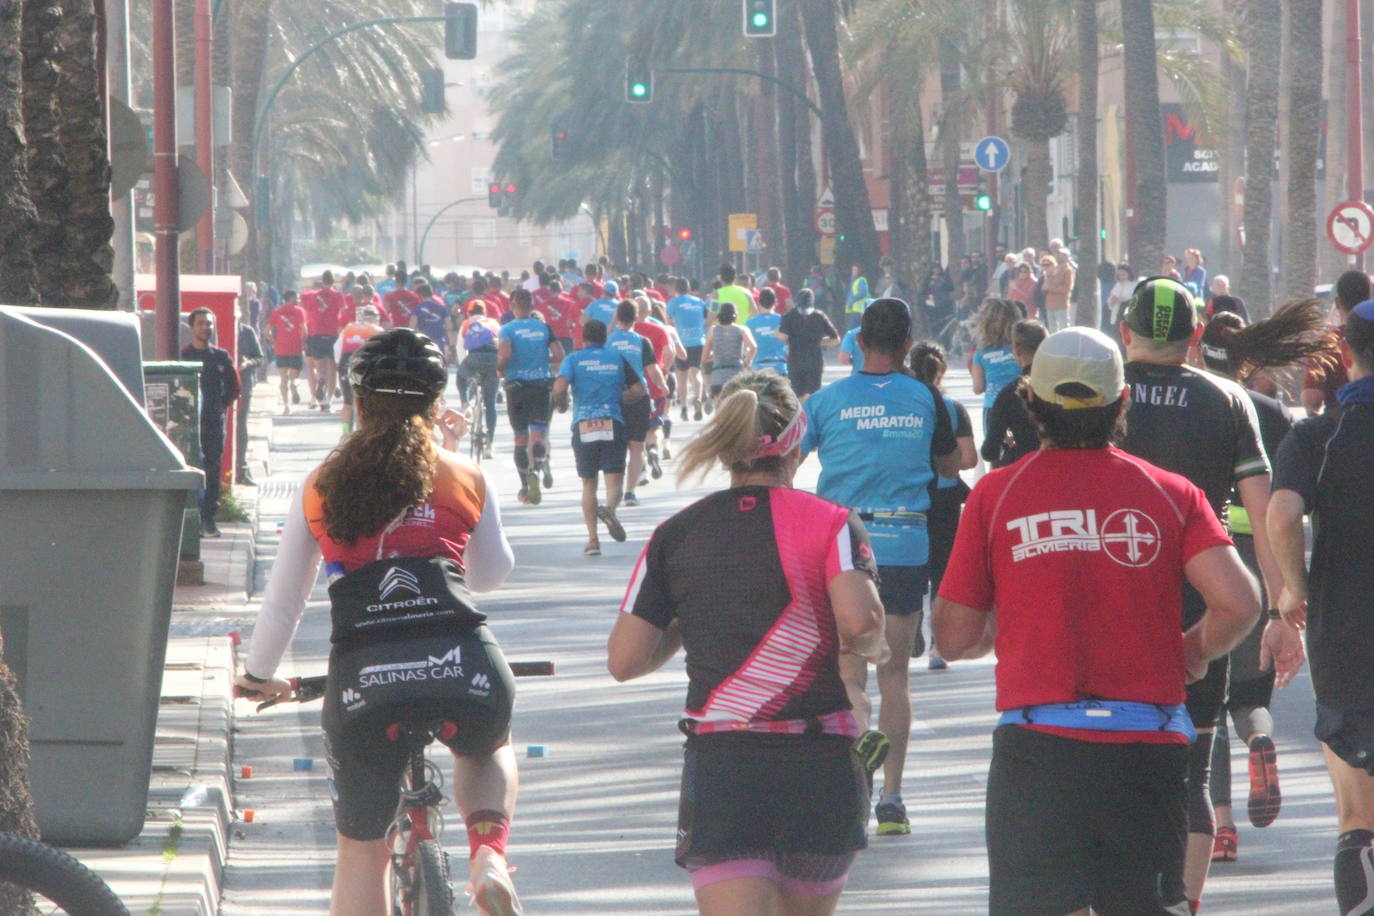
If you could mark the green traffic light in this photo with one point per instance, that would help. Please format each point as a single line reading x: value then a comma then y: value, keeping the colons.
x: 639, y: 90
x: 760, y: 20
x: 983, y: 202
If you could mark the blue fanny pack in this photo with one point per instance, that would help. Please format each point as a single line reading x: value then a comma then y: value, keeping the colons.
x: 1105, y: 716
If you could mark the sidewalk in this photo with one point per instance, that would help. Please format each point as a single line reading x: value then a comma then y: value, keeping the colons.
x: 175, y: 866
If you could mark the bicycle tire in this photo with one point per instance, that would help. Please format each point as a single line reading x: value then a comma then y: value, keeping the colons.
x: 433, y: 892
x: 57, y: 877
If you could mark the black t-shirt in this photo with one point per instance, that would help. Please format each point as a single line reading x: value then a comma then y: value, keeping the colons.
x: 1326, y: 460
x: 805, y: 331
x: 219, y: 380
x: 1010, y: 431
x: 1195, y: 424
x: 1275, y: 420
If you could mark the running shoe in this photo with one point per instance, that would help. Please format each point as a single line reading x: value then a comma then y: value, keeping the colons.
x: 548, y: 474
x: 683, y: 413
x: 892, y: 819
x: 710, y: 406
x: 696, y: 409
x: 295, y: 394
x: 667, y: 455
x: 593, y: 549
x: 523, y: 496
x: 630, y: 498
x: 1225, y: 844
x: 493, y: 892
x: 871, y: 748
x: 532, y: 491
x: 208, y: 528
x: 487, y: 454
x: 936, y: 663
x: 617, y: 530
x: 655, y: 467
x: 1265, y: 797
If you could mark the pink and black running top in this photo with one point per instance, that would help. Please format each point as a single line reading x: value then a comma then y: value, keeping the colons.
x: 746, y: 571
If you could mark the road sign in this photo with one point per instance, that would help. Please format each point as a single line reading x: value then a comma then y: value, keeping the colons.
x: 128, y: 148
x: 739, y: 224
x: 753, y: 241
x: 825, y: 221
x: 669, y: 256
x: 992, y: 154
x: 827, y: 199
x: 1351, y: 226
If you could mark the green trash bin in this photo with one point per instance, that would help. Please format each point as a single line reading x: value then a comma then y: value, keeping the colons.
x: 92, y: 497
x: 171, y: 391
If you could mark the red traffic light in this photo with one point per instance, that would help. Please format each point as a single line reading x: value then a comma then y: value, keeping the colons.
x: 684, y: 235
x: 561, y: 135
x: 494, y: 188
x: 510, y: 188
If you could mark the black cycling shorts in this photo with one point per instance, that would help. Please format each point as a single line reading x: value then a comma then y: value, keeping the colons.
x: 529, y: 403
x: 1349, y: 734
x: 320, y: 346
x: 637, y: 415
x: 746, y: 795
x: 601, y: 457
x: 462, y: 677
x: 1078, y: 823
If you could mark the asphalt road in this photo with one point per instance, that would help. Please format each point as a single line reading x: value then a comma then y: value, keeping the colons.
x: 594, y: 830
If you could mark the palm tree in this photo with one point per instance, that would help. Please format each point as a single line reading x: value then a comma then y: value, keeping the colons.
x: 1262, y: 26
x: 18, y: 276
x: 953, y: 120
x: 1304, y: 51
x: 1145, y: 135
x: 794, y: 128
x: 47, y: 162
x: 1039, y: 40
x: 1087, y: 304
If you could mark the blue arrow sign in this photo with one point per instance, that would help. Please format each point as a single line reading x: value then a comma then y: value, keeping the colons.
x: 992, y: 154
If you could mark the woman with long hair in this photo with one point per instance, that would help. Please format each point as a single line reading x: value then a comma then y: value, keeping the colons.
x: 774, y: 801
x: 1286, y: 341
x: 389, y: 505
x: 993, y: 364
x: 729, y: 348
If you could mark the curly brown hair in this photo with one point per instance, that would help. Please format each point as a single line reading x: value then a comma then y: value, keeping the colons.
x: 387, y: 466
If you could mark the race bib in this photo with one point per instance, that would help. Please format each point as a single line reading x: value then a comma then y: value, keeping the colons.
x: 602, y: 430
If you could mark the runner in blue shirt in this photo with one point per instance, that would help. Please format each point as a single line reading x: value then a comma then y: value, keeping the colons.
x: 993, y: 365
x: 639, y: 353
x: 850, y: 354
x: 772, y: 352
x: 603, y: 309
x: 599, y: 380
x: 882, y: 437
x: 429, y: 316
x: 525, y: 350
x: 690, y: 316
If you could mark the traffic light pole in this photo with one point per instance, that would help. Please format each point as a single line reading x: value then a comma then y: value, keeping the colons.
x: 785, y: 86
x: 424, y: 236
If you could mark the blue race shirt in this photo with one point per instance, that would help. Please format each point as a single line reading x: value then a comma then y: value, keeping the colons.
x: 602, y: 310
x: 385, y: 286
x: 850, y: 345
x: 772, y: 353
x: 952, y: 407
x: 876, y: 436
x: 1000, y: 369
x: 529, y: 349
x: 688, y: 314
x: 429, y: 315
x: 631, y: 346
x: 597, y: 376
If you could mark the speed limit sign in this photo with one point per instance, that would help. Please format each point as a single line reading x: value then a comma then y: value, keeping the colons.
x: 825, y: 221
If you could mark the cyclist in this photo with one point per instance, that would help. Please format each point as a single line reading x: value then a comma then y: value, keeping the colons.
x: 479, y: 335
x: 772, y: 808
x: 388, y: 491
x: 525, y: 349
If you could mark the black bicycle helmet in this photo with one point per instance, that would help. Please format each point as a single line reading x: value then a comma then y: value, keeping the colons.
x: 1162, y: 309
x: 399, y: 361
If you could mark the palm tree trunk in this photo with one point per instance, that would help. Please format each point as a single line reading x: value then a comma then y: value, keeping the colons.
x: 89, y: 257
x: 1304, y: 27
x: 1037, y: 183
x: 1262, y: 37
x: 853, y: 212
x: 1331, y: 259
x: 47, y: 157
x: 910, y: 195
x: 795, y: 211
x: 1232, y: 151
x: 248, y: 30
x: 1145, y: 134
x: 765, y: 140
x: 1087, y: 304
x: 951, y: 131
x: 792, y: 69
x: 18, y: 276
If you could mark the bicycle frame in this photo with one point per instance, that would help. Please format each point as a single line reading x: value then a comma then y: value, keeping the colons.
x: 418, y: 816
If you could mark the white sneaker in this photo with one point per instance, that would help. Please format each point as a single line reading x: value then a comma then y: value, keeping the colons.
x: 493, y: 892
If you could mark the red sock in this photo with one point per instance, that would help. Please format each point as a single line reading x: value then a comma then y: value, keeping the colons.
x: 487, y: 828
x: 1195, y: 906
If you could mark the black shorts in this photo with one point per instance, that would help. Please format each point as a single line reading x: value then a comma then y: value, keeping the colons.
x: 1076, y: 823
x: 902, y: 589
x: 603, y: 457
x: 478, y: 691
x: 942, y: 521
x: 1350, y: 735
x: 529, y: 403
x: 345, y: 389
x: 693, y: 360
x: 290, y: 362
x: 320, y: 346
x: 746, y: 795
x: 805, y: 378
x: 637, y: 417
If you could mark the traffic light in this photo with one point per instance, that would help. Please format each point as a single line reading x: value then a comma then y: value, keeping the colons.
x: 559, y: 139
x: 684, y: 234
x: 982, y: 200
x: 460, y: 31
x: 639, y: 81
x: 494, y: 195
x: 432, y: 91
x: 760, y: 18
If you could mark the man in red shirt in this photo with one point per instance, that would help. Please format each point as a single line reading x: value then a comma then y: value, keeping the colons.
x: 286, y: 335
x: 561, y: 311
x: 784, y: 300
x: 1072, y: 561
x: 396, y: 305
x: 322, y: 328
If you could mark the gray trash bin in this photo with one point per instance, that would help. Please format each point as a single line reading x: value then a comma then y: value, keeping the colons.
x: 91, y: 502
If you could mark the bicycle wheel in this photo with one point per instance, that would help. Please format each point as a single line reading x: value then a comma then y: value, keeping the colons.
x: 60, y: 884
x: 432, y: 892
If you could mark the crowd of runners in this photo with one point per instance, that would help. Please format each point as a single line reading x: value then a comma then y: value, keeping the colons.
x: 1135, y: 557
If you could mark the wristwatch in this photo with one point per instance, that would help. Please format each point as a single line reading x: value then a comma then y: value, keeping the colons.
x: 254, y: 678
x: 1274, y: 614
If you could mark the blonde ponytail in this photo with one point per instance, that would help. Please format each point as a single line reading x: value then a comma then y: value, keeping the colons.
x: 755, y: 404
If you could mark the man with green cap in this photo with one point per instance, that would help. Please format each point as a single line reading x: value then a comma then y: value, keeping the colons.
x: 1205, y: 428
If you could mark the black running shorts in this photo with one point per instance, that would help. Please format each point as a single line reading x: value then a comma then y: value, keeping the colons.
x: 902, y: 589
x: 1077, y: 823
x: 529, y: 403
x: 744, y: 795
x: 289, y: 362
x: 693, y: 360
x: 805, y: 377
x: 602, y: 457
x: 637, y: 417
x: 1350, y: 735
x: 320, y: 346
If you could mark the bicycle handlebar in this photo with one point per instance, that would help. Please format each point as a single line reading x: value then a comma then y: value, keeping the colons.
x: 306, y: 689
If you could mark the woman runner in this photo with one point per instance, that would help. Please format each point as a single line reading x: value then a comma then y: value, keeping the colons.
x: 774, y: 800
x: 993, y: 365
x: 388, y: 492
x: 729, y: 349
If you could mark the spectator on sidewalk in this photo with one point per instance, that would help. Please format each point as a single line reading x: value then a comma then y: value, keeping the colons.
x: 250, y: 358
x: 219, y: 388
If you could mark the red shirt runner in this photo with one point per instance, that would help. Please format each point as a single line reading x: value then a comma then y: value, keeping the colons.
x: 322, y: 311
x: 784, y: 296
x: 288, y: 330
x: 397, y: 305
